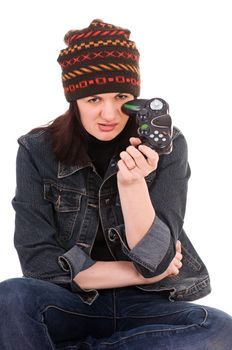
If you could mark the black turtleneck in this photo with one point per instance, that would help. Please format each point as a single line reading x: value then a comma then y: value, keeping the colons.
x: 101, y: 152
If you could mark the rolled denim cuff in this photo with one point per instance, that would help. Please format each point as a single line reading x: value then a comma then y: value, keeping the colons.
x: 75, y: 260
x: 152, y: 248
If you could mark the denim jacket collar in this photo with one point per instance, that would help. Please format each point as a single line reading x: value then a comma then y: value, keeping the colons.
x: 65, y: 170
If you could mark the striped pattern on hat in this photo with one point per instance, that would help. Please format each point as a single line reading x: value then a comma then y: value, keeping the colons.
x: 99, y: 59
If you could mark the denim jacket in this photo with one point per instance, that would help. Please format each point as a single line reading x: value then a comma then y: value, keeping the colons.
x: 58, y: 210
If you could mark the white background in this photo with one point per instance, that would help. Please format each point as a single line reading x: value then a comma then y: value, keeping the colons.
x: 186, y: 58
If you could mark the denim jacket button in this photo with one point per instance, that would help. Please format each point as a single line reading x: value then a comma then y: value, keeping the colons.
x: 112, y: 236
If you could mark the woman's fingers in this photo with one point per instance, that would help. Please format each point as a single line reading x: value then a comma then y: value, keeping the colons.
x: 123, y: 168
x: 176, y: 263
x: 151, y: 156
x: 137, y: 156
x: 143, y: 157
x: 174, y: 271
x: 135, y: 141
x: 128, y: 160
x: 137, y: 161
x: 178, y: 246
x: 178, y: 256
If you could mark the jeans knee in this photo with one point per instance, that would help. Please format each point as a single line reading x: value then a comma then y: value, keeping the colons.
x: 219, y: 324
x: 217, y: 318
x: 16, y: 294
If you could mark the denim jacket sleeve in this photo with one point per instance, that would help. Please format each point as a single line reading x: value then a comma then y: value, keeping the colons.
x: 168, y: 192
x: 35, y: 229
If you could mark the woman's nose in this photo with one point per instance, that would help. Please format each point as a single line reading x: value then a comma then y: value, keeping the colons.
x: 109, y: 112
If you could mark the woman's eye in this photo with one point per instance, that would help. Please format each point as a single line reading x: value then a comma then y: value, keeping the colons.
x: 93, y: 99
x: 122, y: 97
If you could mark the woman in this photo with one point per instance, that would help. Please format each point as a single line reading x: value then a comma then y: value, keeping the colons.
x: 99, y: 222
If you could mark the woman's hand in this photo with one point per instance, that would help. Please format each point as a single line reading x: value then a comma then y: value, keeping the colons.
x: 172, y: 270
x: 136, y: 162
x: 176, y: 264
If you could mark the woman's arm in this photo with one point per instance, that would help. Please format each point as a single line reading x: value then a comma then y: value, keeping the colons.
x: 115, y: 274
x: 137, y: 208
x: 154, y: 218
x: 40, y: 254
x: 107, y: 274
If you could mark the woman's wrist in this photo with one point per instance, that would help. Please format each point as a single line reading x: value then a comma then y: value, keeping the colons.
x: 150, y: 280
x: 130, y: 184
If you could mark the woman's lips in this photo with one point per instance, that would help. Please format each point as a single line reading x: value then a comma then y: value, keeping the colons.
x: 107, y: 127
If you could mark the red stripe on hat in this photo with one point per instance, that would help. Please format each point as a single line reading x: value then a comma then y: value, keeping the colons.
x: 105, y: 33
x: 96, y: 33
x: 88, y: 34
x: 76, y: 36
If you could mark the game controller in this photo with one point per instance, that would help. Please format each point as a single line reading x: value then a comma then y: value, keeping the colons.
x: 154, y: 122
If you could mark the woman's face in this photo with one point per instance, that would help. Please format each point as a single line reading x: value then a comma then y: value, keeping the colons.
x: 101, y: 114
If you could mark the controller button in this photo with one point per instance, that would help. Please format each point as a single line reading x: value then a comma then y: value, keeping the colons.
x: 164, y: 139
x: 156, y: 132
x: 144, y: 132
x: 161, y: 135
x: 143, y: 112
x: 156, y: 104
x: 156, y: 139
x: 144, y: 127
x: 151, y: 136
x: 143, y: 117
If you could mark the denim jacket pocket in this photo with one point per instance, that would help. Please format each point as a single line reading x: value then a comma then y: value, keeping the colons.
x: 66, y: 204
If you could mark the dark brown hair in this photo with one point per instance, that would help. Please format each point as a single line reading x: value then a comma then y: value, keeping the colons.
x: 69, y: 138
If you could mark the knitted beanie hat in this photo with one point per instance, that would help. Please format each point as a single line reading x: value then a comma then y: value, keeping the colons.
x: 99, y: 59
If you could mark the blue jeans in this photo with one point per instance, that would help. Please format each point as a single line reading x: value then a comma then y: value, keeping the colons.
x: 40, y: 315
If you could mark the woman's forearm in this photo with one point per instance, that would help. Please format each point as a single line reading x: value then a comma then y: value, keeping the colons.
x: 135, y: 163
x: 138, y: 211
x: 112, y: 274
x: 107, y: 274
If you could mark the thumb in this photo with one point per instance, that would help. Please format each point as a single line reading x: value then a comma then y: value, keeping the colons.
x: 135, y: 141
